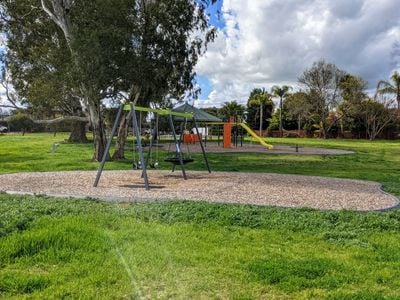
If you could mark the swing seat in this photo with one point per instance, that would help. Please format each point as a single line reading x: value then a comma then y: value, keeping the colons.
x: 175, y: 160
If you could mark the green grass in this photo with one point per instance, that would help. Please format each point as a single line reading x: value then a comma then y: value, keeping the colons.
x: 65, y: 248
x: 74, y: 248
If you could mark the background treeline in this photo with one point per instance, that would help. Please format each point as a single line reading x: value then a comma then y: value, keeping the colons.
x: 330, y: 103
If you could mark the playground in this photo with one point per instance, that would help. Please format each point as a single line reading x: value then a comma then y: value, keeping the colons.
x: 146, y: 183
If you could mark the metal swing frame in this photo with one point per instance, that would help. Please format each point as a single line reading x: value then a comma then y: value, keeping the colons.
x: 160, y: 112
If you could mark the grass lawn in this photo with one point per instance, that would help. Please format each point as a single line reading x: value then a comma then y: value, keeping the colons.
x: 52, y: 248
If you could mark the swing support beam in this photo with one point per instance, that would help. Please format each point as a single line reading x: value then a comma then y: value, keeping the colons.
x: 162, y: 112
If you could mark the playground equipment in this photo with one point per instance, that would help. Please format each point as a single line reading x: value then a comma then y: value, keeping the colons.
x: 177, y: 159
x: 237, y: 126
x: 227, y: 133
x: 254, y: 135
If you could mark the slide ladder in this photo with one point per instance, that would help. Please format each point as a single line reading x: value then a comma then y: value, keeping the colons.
x: 254, y: 135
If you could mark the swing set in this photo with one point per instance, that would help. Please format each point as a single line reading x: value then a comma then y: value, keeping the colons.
x: 176, y: 158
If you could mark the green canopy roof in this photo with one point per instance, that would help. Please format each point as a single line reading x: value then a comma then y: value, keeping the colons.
x: 200, y: 115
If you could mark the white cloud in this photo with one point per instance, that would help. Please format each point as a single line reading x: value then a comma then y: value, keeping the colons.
x: 269, y: 42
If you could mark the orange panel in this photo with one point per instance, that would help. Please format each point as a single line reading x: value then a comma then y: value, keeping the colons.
x: 227, y: 135
x: 190, y: 138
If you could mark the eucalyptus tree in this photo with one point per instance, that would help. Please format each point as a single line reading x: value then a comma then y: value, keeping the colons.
x: 41, y: 42
x: 261, y: 99
x: 321, y: 83
x: 168, y: 39
x: 142, y: 49
x: 282, y: 92
x: 387, y: 87
x: 36, y: 69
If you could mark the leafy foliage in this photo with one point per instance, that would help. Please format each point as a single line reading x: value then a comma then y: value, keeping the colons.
x: 322, y: 86
x: 232, y: 109
x: 73, y: 52
x: 393, y: 88
x: 259, y: 109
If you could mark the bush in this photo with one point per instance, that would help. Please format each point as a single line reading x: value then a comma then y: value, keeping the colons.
x: 20, y: 122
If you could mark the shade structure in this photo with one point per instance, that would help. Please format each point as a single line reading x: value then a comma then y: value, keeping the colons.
x: 199, y: 115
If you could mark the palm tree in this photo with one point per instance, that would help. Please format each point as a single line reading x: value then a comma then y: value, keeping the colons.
x: 282, y: 93
x: 386, y: 87
x: 230, y: 109
x: 261, y: 99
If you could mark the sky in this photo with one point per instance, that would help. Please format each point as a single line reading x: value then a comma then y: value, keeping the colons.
x: 272, y: 42
x: 261, y: 43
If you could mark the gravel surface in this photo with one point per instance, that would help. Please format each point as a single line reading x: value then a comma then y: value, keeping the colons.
x: 212, y: 147
x: 250, y: 188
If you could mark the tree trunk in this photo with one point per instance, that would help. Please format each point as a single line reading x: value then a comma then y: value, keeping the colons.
x: 99, y: 136
x: 261, y: 118
x: 119, y: 152
x: 299, y: 124
x: 60, y: 16
x: 78, y: 133
x: 280, y: 118
x: 322, y: 130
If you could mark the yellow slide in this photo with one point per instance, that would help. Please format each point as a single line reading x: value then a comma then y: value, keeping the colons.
x: 254, y: 135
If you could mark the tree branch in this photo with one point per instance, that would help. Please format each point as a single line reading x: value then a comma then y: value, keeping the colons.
x: 61, y: 119
x: 8, y: 96
x: 10, y: 106
x: 28, y: 13
x: 59, y: 17
x: 50, y: 13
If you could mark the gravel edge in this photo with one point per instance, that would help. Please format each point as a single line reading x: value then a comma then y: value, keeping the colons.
x: 153, y: 198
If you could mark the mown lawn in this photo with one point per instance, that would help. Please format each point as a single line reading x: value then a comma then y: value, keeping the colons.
x: 64, y: 248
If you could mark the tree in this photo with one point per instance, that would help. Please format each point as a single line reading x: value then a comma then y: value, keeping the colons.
x: 20, y: 122
x: 353, y: 93
x: 262, y: 100
x: 121, y: 46
x: 232, y: 109
x: 321, y: 82
x: 386, y: 87
x: 298, y: 107
x: 282, y: 93
x: 159, y: 66
x: 40, y: 69
x: 378, y: 115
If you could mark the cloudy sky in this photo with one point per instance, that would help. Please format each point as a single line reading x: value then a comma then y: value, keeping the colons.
x: 266, y: 42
